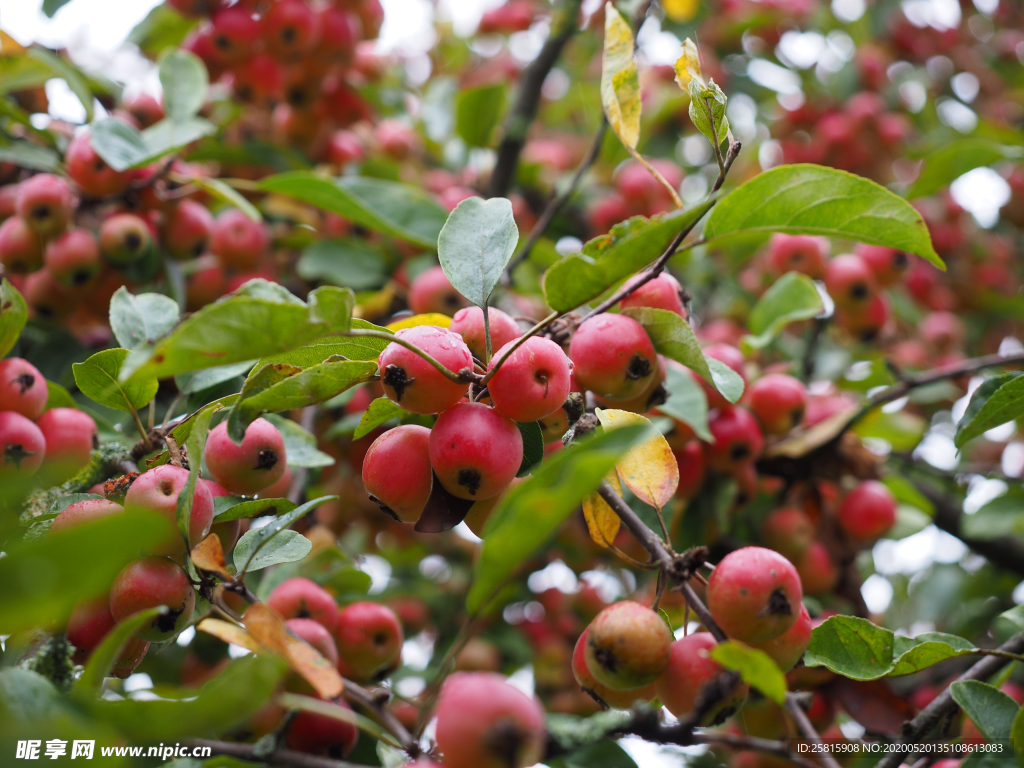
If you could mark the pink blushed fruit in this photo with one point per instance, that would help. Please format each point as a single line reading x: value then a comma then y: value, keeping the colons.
x: 754, y: 594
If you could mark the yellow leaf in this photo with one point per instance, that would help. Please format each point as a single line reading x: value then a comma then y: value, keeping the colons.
x: 9, y: 46
x: 231, y: 633
x: 602, y: 522
x: 680, y: 10
x: 649, y: 470
x: 688, y: 65
x: 208, y: 555
x: 431, y: 318
x: 620, y: 86
x: 376, y: 303
x: 269, y: 629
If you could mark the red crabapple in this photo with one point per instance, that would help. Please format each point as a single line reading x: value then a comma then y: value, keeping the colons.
x: 415, y: 384
x: 627, y: 646
x: 469, y: 324
x: 246, y: 469
x: 475, y: 451
x: 90, y: 171
x: 690, y: 669
x: 865, y: 323
x: 943, y: 332
x: 850, y: 282
x: 234, y: 32
x: 514, y: 16
x: 48, y: 299
x: 396, y: 471
x: 613, y: 356
x: 692, y: 469
x: 754, y: 594
x: 21, y: 248
x: 195, y: 8
x: 778, y: 401
x: 396, y: 138
x: 145, y: 109
x: 818, y: 573
x: 613, y: 697
x: 738, y: 439
x: 71, y: 437
x: 89, y: 624
x: 22, y: 388
x: 187, y: 230
x: 73, y: 258
x: 147, y: 583
x: 369, y: 639
x: 788, y: 531
x: 207, y: 284
x: 320, y: 734
x: 797, y: 253
x: 483, y: 722
x: 157, y: 491
x: 888, y: 265
x: 125, y: 238
x: 430, y: 291
x: 85, y: 511
x: 300, y: 598
x: 339, y: 31
x: 22, y: 444
x: 289, y: 29
x: 314, y: 633
x: 237, y: 240
x: 450, y: 198
x: 229, y: 530
x: 868, y: 511
x: 45, y: 203
x: 732, y: 357
x: 532, y: 381
x: 258, y: 80
x: 662, y: 292
x: 786, y: 649
x: 345, y: 147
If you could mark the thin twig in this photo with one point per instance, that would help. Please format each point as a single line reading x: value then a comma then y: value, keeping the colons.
x: 387, y: 719
x: 515, y: 345
x: 557, y: 202
x: 805, y: 727
x: 465, y: 376
x: 943, y: 705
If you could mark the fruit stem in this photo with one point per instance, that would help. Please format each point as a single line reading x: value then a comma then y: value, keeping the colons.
x: 518, y: 343
x: 457, y: 377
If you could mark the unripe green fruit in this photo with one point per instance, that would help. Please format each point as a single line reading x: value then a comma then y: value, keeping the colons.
x: 613, y: 697
x: 627, y: 646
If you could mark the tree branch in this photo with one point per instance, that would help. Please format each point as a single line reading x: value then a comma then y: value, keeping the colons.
x: 286, y: 758
x: 531, y: 81
x: 942, y: 705
x: 366, y: 699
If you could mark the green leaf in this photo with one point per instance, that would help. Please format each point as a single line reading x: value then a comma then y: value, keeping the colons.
x: 998, y: 400
x: 353, y: 348
x: 999, y: 518
x: 254, y: 540
x: 168, y: 136
x: 189, y: 383
x: 905, y: 492
x: 286, y: 547
x: 46, y: 577
x: 195, y: 446
x: 70, y: 74
x: 953, y: 159
x: 25, y: 154
x: 791, y: 298
x: 184, y: 81
x: 50, y: 7
x: 533, y: 446
x: 98, y: 378
x: 600, y: 754
x: 992, y: 711
x: 478, y: 112
x: 163, y: 28
x: 607, y: 260
x: 227, y: 508
x: 674, y: 338
x: 707, y: 108
x: 395, y: 209
x: 105, y: 655
x: 813, y: 200
x: 229, y: 195
x: 142, y: 319
x: 530, y: 513
x: 476, y: 244
x: 352, y: 263
x: 306, y: 387
x: 258, y: 319
x: 228, y: 700
x: 380, y: 412
x: 686, y: 402
x: 1017, y: 735
x: 123, y: 147
x: 13, y: 314
x: 58, y: 397
x: 903, y: 430
x: 755, y: 667
x: 299, y: 444
x: 620, y: 84
x: 856, y: 648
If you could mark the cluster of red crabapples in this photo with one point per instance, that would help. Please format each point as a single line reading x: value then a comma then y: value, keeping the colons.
x: 257, y: 465
x: 39, y: 444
